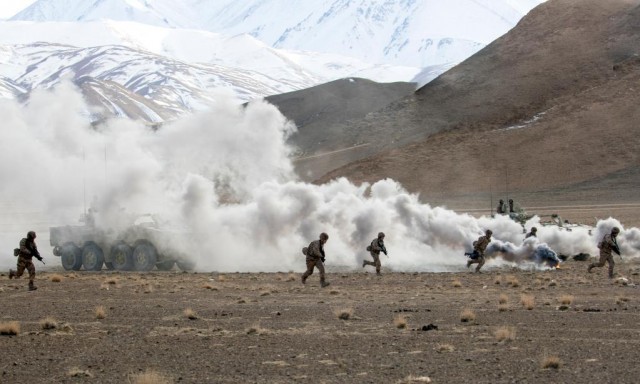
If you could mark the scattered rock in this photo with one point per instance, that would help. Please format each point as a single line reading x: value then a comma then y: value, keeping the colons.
x: 429, y: 327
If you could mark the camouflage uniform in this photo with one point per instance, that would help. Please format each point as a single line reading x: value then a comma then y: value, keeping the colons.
x: 607, y: 245
x: 479, y: 247
x: 315, y: 258
x: 377, y: 246
x: 28, y: 250
x: 534, y: 233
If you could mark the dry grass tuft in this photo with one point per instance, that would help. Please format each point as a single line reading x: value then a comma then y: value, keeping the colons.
x: 505, y: 334
x: 456, y: 283
x: 11, y: 328
x: 148, y: 288
x: 344, y: 313
x: 503, y: 307
x: 440, y: 348
x: 467, y: 316
x: 551, y: 362
x: 256, y: 329
x: 265, y: 293
x: 56, y: 278
x: 503, y: 299
x: 566, y: 299
x: 414, y: 380
x: 291, y: 277
x: 100, y: 312
x: 149, y: 377
x: 513, y: 281
x: 400, y: 322
x: 48, y: 323
x: 111, y: 281
x: 621, y: 299
x: 190, y: 314
x: 221, y: 278
x: 497, y: 280
x: 209, y: 286
x: 77, y: 372
x: 334, y: 292
x: 528, y: 301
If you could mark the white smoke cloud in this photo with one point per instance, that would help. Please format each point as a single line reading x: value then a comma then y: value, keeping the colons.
x: 224, y: 178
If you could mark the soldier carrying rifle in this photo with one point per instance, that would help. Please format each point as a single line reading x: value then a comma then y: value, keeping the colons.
x: 25, y: 253
x: 376, y: 246
x: 607, y: 245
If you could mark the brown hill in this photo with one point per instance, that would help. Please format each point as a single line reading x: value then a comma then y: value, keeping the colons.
x: 547, y: 113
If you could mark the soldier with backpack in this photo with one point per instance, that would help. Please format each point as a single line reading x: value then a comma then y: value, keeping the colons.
x: 315, y: 259
x: 376, y: 246
x: 607, y: 245
x: 25, y: 253
x: 479, y: 246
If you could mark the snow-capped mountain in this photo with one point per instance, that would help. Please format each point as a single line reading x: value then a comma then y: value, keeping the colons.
x: 174, y: 53
x: 402, y: 32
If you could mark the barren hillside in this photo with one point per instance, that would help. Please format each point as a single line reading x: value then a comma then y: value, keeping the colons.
x: 548, y: 111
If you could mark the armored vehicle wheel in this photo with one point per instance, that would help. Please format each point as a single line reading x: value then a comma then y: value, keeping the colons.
x: 71, y: 257
x: 144, y: 257
x: 186, y: 265
x: 121, y: 257
x: 165, y: 265
x: 92, y: 257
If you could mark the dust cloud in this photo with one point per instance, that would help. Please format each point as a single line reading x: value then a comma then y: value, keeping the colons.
x: 223, y: 178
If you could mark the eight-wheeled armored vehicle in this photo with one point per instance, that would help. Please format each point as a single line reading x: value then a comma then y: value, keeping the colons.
x: 140, y: 247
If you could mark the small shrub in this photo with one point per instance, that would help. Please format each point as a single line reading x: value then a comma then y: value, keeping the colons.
x: 505, y: 334
x: 528, y: 301
x: 414, y: 380
x: 400, y: 322
x: 456, y: 283
x: 56, y: 278
x: 503, y: 299
x: 77, y: 372
x: 48, y: 323
x: 291, y: 277
x: 190, y: 314
x: 467, y: 316
x: 497, y: 280
x: 100, y: 312
x: 344, y: 314
x: 566, y: 299
x: 209, y: 286
x: 149, y: 377
x: 551, y: 362
x: 221, y: 278
x: 111, y: 281
x: 513, y: 281
x: 10, y: 328
x: 256, y: 329
x: 622, y: 299
x: 503, y: 307
x: 444, y: 348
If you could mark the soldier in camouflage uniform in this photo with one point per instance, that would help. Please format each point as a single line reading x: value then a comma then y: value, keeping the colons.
x: 376, y: 246
x: 315, y: 259
x: 607, y: 245
x: 479, y: 247
x: 532, y: 233
x: 28, y: 249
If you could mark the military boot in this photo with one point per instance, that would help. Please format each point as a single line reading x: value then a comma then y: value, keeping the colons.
x: 303, y: 279
x: 324, y: 284
x: 364, y: 263
x: 590, y: 268
x: 32, y: 287
x: 12, y: 274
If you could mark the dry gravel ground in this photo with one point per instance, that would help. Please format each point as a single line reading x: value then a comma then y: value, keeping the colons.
x: 268, y: 328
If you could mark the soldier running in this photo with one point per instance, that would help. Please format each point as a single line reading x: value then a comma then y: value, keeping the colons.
x: 479, y: 247
x: 28, y: 249
x: 315, y: 258
x: 376, y: 246
x: 532, y: 233
x: 607, y: 245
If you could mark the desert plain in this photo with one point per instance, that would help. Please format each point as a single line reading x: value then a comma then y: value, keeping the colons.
x: 504, y: 325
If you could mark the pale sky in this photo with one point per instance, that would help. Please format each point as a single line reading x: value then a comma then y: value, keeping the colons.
x: 9, y: 8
